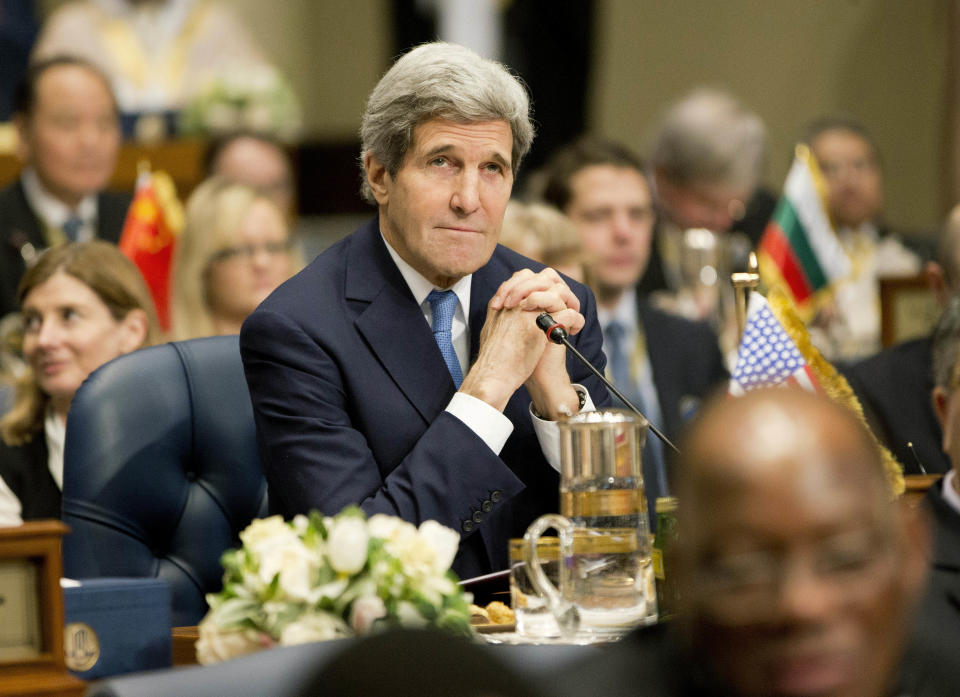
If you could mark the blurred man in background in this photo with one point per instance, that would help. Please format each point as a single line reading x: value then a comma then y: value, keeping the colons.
x: 894, y: 386
x: 256, y: 160
x: 663, y: 363
x: 69, y: 137
x: 850, y: 161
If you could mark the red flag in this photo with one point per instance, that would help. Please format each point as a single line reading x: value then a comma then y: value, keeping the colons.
x: 150, y: 233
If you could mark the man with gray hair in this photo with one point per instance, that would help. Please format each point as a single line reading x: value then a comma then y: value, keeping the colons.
x: 707, y: 159
x: 403, y: 369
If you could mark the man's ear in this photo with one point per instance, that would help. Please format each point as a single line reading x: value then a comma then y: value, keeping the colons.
x: 937, y: 283
x: 940, y: 400
x: 377, y: 177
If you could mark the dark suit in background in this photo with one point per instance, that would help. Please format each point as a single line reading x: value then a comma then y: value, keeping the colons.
x: 894, y: 389
x: 942, y: 601
x: 349, y: 391
x: 24, y: 468
x: 20, y: 226
x: 685, y: 361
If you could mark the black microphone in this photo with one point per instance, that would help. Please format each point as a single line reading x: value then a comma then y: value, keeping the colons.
x: 557, y: 333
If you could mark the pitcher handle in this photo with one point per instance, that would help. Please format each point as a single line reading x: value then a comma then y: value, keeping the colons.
x: 558, y: 600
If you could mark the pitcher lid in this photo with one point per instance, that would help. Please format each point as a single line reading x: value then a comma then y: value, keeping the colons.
x: 606, y: 416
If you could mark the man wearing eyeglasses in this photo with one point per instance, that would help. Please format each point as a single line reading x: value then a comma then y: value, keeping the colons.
x: 798, y: 573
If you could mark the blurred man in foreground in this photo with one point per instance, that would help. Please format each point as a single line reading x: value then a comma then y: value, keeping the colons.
x: 798, y: 574
x: 69, y: 137
x: 403, y: 369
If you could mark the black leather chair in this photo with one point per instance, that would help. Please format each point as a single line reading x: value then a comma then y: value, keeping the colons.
x: 161, y: 469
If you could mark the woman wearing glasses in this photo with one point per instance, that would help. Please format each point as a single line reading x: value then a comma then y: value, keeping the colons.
x: 234, y: 250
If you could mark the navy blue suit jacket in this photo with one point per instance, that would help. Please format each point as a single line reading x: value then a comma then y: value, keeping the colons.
x: 349, y: 390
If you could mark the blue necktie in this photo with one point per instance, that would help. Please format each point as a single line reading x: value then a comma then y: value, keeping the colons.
x: 443, y: 304
x: 654, y: 468
x: 71, y: 228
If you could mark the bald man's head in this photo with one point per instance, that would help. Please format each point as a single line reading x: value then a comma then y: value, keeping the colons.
x: 797, y: 570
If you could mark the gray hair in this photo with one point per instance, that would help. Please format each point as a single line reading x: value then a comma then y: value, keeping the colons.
x: 440, y: 80
x: 946, y: 345
x: 708, y: 137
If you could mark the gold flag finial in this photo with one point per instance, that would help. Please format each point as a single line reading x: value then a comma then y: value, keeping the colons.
x: 743, y: 283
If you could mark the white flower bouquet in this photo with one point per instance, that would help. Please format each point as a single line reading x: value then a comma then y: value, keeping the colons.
x: 258, y: 100
x: 317, y: 578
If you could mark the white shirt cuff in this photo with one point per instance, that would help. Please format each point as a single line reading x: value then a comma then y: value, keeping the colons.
x: 490, y: 425
x: 548, y: 433
x: 10, y: 508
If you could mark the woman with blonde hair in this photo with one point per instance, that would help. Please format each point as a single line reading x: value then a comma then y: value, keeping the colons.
x: 234, y: 251
x: 544, y: 234
x: 83, y: 304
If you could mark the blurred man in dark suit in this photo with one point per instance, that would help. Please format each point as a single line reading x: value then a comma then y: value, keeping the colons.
x: 943, y: 496
x: 799, y: 574
x: 403, y: 369
x: 663, y: 363
x: 894, y: 386
x: 69, y: 136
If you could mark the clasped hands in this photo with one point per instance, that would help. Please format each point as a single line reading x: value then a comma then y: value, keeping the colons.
x: 514, y: 351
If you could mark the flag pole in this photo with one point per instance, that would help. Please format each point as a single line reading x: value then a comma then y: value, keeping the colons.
x: 743, y: 283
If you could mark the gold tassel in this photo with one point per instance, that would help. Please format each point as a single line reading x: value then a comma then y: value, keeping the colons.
x: 833, y: 383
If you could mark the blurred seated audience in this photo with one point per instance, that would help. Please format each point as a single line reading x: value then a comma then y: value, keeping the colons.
x: 69, y: 137
x: 257, y: 160
x: 83, y: 304
x: 544, y: 234
x: 798, y: 573
x: 851, y: 164
x: 157, y: 53
x: 663, y: 363
x: 894, y: 386
x: 235, y: 249
x: 707, y: 159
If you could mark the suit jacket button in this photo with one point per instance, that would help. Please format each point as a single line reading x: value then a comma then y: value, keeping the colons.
x: 486, y: 506
x: 477, y: 516
x: 466, y: 525
x: 495, y: 496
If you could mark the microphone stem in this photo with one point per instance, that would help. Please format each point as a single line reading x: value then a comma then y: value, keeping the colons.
x: 653, y: 429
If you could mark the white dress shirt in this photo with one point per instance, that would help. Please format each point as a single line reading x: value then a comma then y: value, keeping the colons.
x: 488, y: 423
x: 950, y: 494
x: 54, y: 212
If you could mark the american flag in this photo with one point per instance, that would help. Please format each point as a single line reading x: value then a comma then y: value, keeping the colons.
x: 767, y: 356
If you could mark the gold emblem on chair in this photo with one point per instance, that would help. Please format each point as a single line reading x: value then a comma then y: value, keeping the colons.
x: 81, y: 646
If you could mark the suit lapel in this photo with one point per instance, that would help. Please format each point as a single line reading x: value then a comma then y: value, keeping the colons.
x: 662, y: 366
x: 25, y: 226
x: 393, y: 326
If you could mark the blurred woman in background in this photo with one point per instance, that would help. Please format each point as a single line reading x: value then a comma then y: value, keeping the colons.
x: 83, y: 304
x: 235, y: 249
x: 544, y: 234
